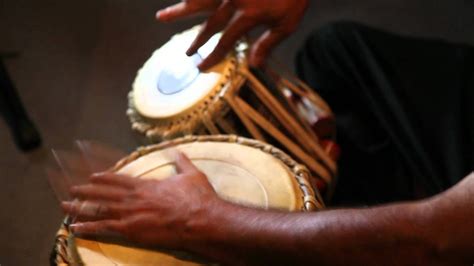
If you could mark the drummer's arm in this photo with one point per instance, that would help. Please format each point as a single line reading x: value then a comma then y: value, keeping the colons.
x: 438, y: 231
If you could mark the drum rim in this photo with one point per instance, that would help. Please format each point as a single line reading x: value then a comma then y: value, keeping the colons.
x: 312, y: 200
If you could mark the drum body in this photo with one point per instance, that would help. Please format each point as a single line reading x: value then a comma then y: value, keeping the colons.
x: 171, y: 98
x: 238, y: 169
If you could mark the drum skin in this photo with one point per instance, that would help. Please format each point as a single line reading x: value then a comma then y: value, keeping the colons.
x: 242, y: 171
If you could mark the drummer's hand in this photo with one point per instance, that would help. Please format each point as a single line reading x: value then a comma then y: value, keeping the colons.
x: 144, y: 211
x: 236, y: 18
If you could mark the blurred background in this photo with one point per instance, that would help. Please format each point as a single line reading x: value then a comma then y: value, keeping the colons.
x: 78, y: 60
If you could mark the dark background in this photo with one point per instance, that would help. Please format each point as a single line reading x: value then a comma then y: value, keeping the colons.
x: 79, y: 59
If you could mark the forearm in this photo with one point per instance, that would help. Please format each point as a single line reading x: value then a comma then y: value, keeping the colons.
x: 394, y: 234
x: 360, y: 237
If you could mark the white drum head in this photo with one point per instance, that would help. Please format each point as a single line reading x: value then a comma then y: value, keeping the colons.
x: 170, y: 82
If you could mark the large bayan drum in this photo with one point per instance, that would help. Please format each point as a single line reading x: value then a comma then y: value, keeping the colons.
x: 172, y: 98
x: 241, y: 170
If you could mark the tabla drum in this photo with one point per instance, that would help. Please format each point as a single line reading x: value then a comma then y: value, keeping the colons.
x: 171, y: 98
x: 243, y: 171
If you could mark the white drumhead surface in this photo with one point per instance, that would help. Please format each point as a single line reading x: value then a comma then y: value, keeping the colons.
x: 170, y: 82
x: 238, y: 173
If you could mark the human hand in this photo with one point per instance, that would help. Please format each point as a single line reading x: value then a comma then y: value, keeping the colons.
x: 144, y: 211
x: 236, y: 18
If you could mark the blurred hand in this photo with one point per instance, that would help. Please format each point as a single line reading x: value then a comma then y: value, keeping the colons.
x: 236, y: 18
x: 73, y: 167
x: 144, y: 211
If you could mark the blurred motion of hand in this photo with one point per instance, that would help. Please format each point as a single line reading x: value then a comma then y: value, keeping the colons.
x: 73, y: 167
x: 236, y: 18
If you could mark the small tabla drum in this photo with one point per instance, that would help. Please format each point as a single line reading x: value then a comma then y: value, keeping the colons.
x: 172, y: 98
x: 243, y: 171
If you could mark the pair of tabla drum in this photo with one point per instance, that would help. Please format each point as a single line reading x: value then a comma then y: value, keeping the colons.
x: 171, y: 98
x: 201, y: 114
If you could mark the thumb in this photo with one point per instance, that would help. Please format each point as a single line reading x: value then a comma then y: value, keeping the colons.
x: 184, y: 164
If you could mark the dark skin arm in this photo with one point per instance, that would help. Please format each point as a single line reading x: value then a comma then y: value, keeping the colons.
x: 184, y: 212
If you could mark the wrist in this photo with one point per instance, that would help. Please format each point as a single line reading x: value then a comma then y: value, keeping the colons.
x: 204, y: 221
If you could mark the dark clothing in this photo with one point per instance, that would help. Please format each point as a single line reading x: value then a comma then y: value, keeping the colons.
x: 404, y: 108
